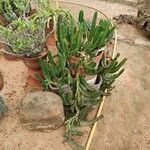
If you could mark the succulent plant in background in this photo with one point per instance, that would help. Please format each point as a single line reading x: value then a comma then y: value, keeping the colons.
x: 45, y: 9
x: 143, y: 19
x: 14, y: 9
x: 50, y: 11
x: 24, y: 37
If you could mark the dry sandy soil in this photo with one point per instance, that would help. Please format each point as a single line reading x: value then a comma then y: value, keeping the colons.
x: 126, y: 123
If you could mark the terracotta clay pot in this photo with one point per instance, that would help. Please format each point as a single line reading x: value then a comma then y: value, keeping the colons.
x: 12, y: 57
x: 51, y: 41
x: 32, y: 79
x: 32, y: 63
x: 49, y: 27
x: 33, y: 68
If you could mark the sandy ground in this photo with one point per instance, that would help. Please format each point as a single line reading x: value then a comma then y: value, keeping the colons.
x: 126, y: 123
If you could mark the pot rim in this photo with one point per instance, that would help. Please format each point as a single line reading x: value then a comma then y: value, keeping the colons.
x: 39, y: 55
x: 19, y: 56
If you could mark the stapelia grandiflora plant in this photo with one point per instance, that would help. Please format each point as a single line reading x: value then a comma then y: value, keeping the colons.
x: 83, y: 37
x: 84, y: 40
x: 14, y: 9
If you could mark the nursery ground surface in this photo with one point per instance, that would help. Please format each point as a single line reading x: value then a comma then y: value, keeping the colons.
x: 125, y: 125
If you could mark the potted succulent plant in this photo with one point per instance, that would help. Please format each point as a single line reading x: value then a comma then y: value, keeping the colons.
x: 24, y: 39
x: 13, y: 9
x: 78, y: 44
x: 26, y: 36
x: 83, y: 38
